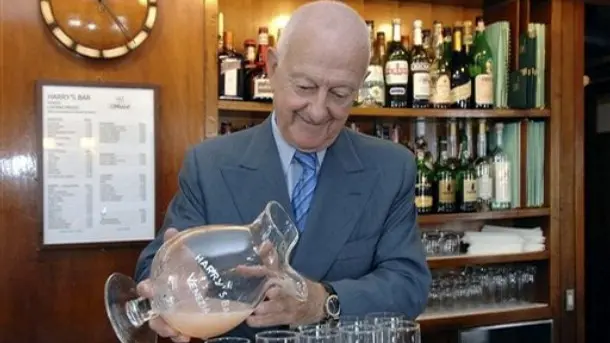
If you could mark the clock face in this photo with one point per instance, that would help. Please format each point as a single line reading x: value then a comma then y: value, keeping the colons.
x: 101, y: 29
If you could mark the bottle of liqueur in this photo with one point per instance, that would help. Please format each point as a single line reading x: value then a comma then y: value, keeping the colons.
x: 424, y: 191
x: 501, y: 174
x: 445, y: 181
x: 467, y: 39
x: 362, y: 92
x: 231, y: 75
x: 483, y: 169
x: 452, y: 144
x: 396, y: 70
x: 261, y: 85
x: 440, y: 83
x: 250, y: 66
x: 481, y: 70
x: 381, y: 44
x: 467, y: 174
x: 419, y: 71
x: 460, y: 79
x: 447, y: 38
x: 373, y: 92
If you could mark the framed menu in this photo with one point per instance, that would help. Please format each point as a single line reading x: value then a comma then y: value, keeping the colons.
x: 97, y: 162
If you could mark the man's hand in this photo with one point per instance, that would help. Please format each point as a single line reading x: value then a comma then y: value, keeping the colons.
x: 158, y: 324
x: 279, y: 308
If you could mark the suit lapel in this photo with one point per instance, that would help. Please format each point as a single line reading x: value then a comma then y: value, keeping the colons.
x: 258, y: 178
x: 343, y: 188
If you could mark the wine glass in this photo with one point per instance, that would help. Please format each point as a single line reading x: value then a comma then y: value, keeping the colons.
x: 207, y: 280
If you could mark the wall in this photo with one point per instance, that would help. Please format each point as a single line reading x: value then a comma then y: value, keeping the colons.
x: 56, y: 296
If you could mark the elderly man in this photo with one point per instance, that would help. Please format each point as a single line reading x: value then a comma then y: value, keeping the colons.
x: 351, y: 195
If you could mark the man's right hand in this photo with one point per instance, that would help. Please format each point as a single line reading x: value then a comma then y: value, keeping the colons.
x: 158, y: 324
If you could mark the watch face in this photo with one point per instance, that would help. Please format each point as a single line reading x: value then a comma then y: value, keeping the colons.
x: 332, y: 306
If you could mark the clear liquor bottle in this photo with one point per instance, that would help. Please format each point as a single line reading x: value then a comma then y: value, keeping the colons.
x: 445, y: 181
x: 419, y: 70
x: 372, y: 94
x: 483, y: 169
x: 501, y: 174
x: 396, y: 70
x: 440, y: 82
x: 467, y: 174
x: 481, y: 69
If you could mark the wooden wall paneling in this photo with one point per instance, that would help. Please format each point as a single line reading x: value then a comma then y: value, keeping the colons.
x: 210, y: 64
x: 57, y: 296
x: 579, y: 168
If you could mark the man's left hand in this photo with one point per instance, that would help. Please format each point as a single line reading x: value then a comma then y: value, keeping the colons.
x: 280, y: 308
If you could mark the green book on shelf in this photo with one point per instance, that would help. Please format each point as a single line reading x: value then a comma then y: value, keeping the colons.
x: 498, y: 36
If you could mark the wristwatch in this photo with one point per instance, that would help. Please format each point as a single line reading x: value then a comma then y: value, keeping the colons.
x: 332, y: 308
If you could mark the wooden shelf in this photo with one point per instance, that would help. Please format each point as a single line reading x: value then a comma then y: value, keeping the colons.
x: 245, y: 106
x: 480, y: 317
x: 491, y: 215
x: 468, y: 260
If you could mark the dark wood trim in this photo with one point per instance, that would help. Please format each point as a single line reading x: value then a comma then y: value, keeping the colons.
x: 247, y: 106
x: 468, y: 260
x: 210, y: 65
x: 427, y: 219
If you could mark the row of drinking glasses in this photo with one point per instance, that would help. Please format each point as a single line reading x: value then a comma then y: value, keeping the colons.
x: 476, y: 287
x: 441, y: 243
x: 373, y: 328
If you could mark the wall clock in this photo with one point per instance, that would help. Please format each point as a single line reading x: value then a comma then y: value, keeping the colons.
x: 100, y: 29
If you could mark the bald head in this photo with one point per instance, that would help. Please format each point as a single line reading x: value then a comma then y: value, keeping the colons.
x: 325, y: 21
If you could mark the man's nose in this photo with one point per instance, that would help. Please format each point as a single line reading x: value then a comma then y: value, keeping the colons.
x: 319, y: 108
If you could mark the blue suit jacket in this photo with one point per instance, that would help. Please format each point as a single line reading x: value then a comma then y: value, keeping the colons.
x: 361, y: 233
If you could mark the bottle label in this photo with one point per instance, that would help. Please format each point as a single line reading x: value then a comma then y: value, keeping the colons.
x: 461, y: 92
x: 397, y: 72
x: 421, y: 86
x: 484, y: 187
x: 263, y: 38
x: 446, y: 191
x: 440, y: 92
x: 502, y: 181
x: 470, y: 190
x: 423, y: 201
x: 373, y: 91
x: 262, y: 89
x: 423, y: 189
x: 229, y: 69
x: 484, y: 90
x: 251, y: 53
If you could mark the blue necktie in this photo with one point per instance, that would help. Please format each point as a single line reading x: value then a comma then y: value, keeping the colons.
x: 304, y: 189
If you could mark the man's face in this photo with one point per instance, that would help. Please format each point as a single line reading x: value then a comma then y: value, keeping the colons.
x: 314, y: 86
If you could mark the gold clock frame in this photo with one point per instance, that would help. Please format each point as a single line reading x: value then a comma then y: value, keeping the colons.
x: 95, y: 53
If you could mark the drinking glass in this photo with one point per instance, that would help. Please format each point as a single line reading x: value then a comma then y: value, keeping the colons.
x: 319, y: 334
x: 318, y: 326
x: 207, y: 280
x: 377, y: 318
x: 351, y: 320
x: 228, y: 340
x: 363, y: 333
x: 277, y: 336
x: 402, y: 331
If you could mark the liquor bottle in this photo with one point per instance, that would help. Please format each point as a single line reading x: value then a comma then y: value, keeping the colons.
x: 424, y: 190
x: 250, y: 67
x: 501, y: 174
x: 452, y: 145
x: 230, y: 71
x: 261, y: 85
x: 381, y: 45
x: 372, y: 93
x: 460, y: 79
x: 481, y: 70
x: 467, y: 39
x: 419, y: 71
x: 445, y: 180
x: 396, y: 70
x: 467, y: 174
x: 440, y: 83
x: 447, y: 40
x: 484, y: 172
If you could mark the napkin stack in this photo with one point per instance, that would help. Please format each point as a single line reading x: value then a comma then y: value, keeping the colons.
x: 495, y: 240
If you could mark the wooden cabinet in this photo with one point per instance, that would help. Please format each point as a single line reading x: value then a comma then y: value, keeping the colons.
x: 560, y: 217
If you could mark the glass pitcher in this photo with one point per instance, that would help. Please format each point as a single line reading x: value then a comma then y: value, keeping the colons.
x: 207, y: 280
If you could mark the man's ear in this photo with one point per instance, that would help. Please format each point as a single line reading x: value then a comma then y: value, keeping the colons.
x: 272, y: 60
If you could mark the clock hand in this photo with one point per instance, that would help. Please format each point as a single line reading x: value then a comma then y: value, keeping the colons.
x: 116, y: 20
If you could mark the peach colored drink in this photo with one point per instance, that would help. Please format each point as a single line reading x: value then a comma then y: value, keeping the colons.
x: 197, y: 324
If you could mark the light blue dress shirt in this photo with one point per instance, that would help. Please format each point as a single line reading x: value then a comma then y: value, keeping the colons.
x: 291, y: 167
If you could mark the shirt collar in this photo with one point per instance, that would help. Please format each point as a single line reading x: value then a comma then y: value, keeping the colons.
x: 286, y: 150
